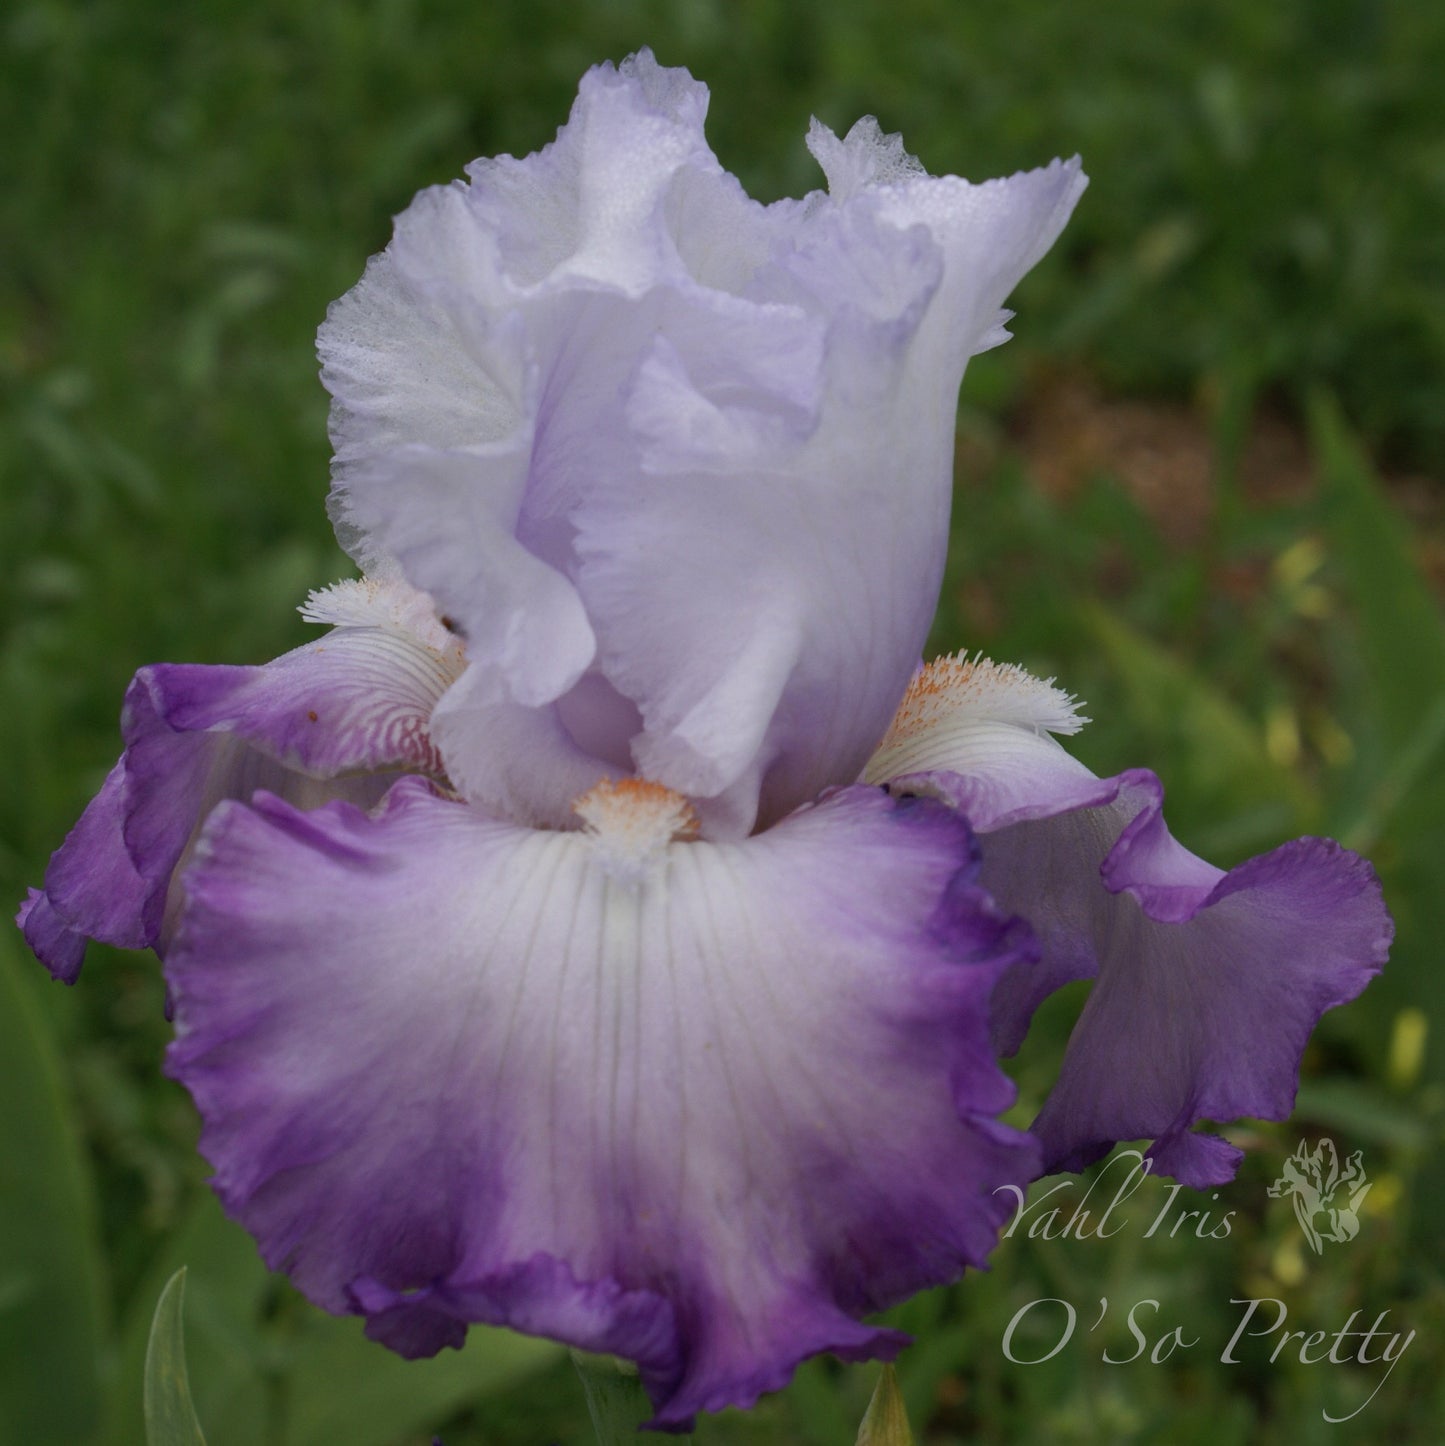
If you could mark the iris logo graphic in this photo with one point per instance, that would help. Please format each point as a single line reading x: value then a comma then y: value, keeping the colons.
x: 1327, y: 1196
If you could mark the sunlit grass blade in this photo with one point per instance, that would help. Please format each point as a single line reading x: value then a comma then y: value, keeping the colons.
x: 228, y: 1290
x: 886, y: 1422
x: 169, y: 1416
x: 270, y: 1366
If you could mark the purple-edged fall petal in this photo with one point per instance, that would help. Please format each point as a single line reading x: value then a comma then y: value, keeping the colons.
x: 1208, y: 984
x: 702, y: 1105
x: 337, y: 718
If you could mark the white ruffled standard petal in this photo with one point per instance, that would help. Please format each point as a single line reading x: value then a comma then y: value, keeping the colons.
x: 1208, y: 984
x: 991, y: 233
x: 700, y: 1105
x: 683, y: 451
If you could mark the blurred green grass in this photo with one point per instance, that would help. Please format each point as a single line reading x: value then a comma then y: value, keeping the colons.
x: 1258, y: 255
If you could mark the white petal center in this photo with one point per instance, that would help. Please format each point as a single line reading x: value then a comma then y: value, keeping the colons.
x: 631, y: 822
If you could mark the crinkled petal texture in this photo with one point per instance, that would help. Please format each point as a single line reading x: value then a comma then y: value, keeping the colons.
x: 678, y: 463
x: 453, y: 1070
x: 339, y: 718
x: 1208, y: 984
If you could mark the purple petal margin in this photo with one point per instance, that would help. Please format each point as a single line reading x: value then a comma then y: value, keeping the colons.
x: 1208, y: 984
x: 336, y: 718
x: 452, y: 1070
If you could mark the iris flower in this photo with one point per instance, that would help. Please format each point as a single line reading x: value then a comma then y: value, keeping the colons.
x: 605, y: 929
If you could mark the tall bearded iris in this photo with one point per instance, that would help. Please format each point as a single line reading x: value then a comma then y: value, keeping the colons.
x: 604, y: 930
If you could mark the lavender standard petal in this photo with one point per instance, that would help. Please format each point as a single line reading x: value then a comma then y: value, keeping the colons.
x: 638, y: 432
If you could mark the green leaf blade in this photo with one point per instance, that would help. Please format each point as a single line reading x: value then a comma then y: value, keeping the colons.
x: 616, y: 1401
x: 886, y: 1421
x: 169, y: 1415
x: 53, y: 1295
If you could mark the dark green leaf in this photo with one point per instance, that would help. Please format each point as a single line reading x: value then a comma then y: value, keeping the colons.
x: 1402, y: 639
x: 1361, y: 1112
x: 1227, y: 768
x: 384, y: 1398
x: 1395, y: 807
x: 615, y: 1399
x: 52, y: 1293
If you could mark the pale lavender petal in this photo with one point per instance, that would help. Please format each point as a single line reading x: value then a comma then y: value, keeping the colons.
x: 339, y: 718
x: 1208, y: 983
x: 521, y: 763
x: 790, y: 580
x: 468, y: 292
x: 447, y: 518
x: 680, y: 446
x: 703, y: 1110
x: 991, y: 233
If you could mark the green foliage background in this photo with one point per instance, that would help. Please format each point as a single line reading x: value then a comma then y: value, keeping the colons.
x: 180, y: 197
